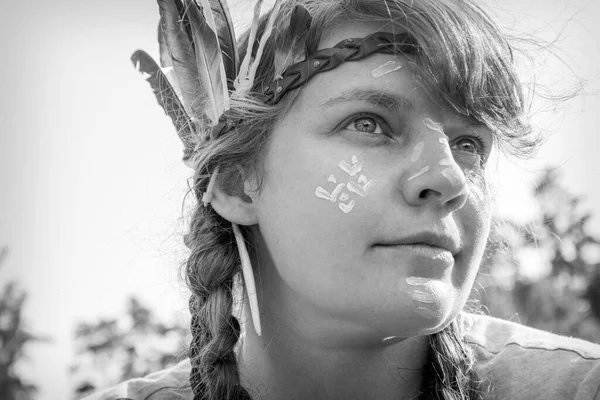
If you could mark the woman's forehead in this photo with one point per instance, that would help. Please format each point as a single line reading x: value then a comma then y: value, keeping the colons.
x: 364, y: 81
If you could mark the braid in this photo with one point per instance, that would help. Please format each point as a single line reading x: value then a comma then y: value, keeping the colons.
x: 210, y: 270
x: 449, y: 374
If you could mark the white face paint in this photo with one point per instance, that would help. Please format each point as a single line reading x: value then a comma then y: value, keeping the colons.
x: 417, y: 152
x: 425, y: 294
x: 386, y: 68
x: 454, y: 180
x: 419, y: 173
x: 391, y: 340
x: 434, y: 126
x: 443, y: 140
x: 359, y: 186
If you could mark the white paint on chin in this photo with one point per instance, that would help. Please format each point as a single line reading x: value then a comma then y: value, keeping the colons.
x: 386, y: 68
x: 391, y: 340
x: 424, y: 294
x: 426, y: 312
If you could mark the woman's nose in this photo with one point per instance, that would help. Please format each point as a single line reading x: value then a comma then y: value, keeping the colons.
x: 436, y: 179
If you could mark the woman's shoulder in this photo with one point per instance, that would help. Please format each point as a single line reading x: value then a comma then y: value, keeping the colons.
x: 172, y: 384
x: 521, y: 362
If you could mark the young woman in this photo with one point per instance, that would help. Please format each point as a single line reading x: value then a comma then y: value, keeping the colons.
x: 340, y: 172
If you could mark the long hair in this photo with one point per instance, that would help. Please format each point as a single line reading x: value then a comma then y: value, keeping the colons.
x: 464, y: 65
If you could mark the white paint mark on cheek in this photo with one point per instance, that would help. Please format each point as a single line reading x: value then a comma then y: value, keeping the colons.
x: 346, y: 208
x: 360, y: 186
x: 325, y: 195
x: 446, y: 162
x: 417, y: 152
x: 386, y: 68
x: 419, y: 173
x: 353, y: 169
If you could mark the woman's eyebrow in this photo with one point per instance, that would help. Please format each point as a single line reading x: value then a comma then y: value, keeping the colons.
x: 394, y: 103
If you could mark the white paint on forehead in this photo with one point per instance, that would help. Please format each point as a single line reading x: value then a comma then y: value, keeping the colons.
x: 386, y: 68
x: 419, y: 173
x: 417, y: 152
x: 434, y: 126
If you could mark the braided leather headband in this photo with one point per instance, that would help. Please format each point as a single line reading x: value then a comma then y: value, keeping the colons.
x: 352, y: 49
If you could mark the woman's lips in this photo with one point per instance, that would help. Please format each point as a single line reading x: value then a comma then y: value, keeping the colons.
x: 422, y: 252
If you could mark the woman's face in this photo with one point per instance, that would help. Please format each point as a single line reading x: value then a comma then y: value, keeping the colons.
x: 371, y: 209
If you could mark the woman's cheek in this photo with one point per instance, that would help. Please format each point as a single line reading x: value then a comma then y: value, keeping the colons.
x: 346, y: 186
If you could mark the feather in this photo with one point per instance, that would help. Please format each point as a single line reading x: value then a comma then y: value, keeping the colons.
x: 263, y: 41
x: 212, y: 94
x: 166, y: 63
x: 178, y: 45
x: 226, y: 33
x: 300, y: 22
x: 165, y: 57
x: 241, y: 83
x: 168, y: 100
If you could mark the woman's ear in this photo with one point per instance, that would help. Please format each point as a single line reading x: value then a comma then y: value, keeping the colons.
x: 234, y: 199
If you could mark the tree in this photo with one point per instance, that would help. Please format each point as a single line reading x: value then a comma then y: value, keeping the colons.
x: 112, y: 350
x: 562, y: 294
x: 14, y: 338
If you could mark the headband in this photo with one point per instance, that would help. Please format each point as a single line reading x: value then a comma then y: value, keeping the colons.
x: 200, y: 64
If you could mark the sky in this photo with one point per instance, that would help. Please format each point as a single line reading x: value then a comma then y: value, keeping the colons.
x: 90, y: 172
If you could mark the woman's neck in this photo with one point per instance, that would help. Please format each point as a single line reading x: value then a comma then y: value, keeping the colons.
x: 294, y: 363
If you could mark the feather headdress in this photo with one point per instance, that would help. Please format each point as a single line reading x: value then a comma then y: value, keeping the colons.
x: 199, y: 65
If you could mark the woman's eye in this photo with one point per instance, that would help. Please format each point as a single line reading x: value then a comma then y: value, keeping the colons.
x: 469, y: 145
x: 366, y: 125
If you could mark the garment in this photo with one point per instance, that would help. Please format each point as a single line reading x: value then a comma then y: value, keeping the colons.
x: 520, y: 363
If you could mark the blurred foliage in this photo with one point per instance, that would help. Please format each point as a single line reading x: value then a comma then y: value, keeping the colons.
x: 112, y: 350
x: 14, y: 337
x: 545, y: 273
